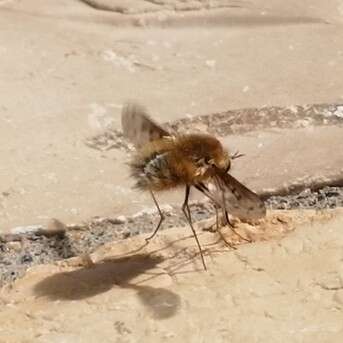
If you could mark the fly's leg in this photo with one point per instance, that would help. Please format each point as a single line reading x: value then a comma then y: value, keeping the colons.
x: 161, y: 218
x: 187, y: 213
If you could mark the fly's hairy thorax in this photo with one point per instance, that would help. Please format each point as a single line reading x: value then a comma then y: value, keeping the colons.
x: 168, y: 163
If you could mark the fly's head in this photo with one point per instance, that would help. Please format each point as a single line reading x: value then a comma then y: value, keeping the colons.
x: 212, y: 155
x: 220, y: 159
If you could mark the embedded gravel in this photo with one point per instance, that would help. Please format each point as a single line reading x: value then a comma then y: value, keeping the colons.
x: 19, y: 252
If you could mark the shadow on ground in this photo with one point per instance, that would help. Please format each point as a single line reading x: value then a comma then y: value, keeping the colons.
x: 103, y: 276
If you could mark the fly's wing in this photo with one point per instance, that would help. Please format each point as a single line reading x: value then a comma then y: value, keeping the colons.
x: 138, y: 127
x: 239, y: 201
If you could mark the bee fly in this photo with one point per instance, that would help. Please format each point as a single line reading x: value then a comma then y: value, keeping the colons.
x: 164, y: 161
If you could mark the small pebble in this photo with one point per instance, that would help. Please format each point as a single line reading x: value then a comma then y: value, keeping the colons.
x: 18, y: 230
x: 16, y: 246
x: 118, y: 220
x: 26, y: 258
x: 54, y: 228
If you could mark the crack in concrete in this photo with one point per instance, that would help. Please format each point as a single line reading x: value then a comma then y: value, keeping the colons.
x: 328, y: 288
x: 247, y: 263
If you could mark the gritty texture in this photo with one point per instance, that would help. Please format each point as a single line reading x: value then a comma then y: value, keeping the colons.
x: 34, y: 249
x: 327, y: 197
x: 234, y: 122
x: 236, y: 69
x: 64, y: 81
x: 288, y: 289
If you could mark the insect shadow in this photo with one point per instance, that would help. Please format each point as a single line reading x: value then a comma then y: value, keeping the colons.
x: 87, y: 282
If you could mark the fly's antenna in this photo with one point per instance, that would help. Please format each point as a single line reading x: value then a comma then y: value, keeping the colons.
x: 236, y: 155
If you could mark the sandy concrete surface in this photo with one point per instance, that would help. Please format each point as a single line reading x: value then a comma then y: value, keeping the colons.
x: 67, y: 68
x: 285, y: 289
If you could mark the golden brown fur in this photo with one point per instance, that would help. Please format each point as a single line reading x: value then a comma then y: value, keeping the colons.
x: 174, y: 161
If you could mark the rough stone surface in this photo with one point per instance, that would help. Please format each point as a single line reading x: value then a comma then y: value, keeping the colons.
x: 241, y: 70
x: 19, y: 252
x: 65, y: 77
x: 286, y: 289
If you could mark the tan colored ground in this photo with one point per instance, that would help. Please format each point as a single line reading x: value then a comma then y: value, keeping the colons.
x: 286, y: 289
x: 66, y: 69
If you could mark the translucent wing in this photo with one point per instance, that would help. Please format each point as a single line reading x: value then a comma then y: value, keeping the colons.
x: 138, y: 127
x: 239, y: 200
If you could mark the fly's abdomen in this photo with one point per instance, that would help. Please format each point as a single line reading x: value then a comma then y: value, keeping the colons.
x: 155, y: 172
